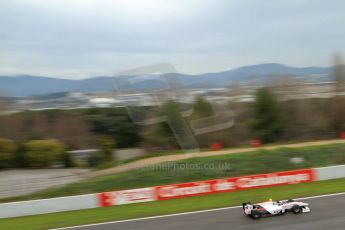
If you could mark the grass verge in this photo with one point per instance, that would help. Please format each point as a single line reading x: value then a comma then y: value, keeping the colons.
x: 130, y: 211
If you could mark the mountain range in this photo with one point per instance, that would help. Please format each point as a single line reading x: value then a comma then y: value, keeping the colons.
x: 28, y: 85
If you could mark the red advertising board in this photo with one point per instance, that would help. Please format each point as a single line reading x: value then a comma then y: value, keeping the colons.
x: 233, y: 184
x: 205, y: 187
x: 127, y: 196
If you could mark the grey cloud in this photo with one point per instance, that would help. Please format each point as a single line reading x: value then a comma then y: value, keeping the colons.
x: 196, y: 36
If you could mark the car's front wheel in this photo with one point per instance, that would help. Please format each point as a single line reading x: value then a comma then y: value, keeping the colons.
x: 296, y: 209
x: 255, y: 215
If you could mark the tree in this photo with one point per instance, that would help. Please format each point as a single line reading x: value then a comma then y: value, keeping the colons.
x: 107, y: 145
x: 202, y: 108
x: 172, y: 132
x: 115, y: 123
x: 268, y: 122
x: 42, y: 153
x: 174, y: 121
x: 7, y: 153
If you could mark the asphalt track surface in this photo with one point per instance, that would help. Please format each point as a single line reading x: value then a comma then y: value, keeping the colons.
x: 327, y: 213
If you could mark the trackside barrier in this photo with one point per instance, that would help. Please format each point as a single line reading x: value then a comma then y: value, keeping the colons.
x: 165, y: 192
x: 327, y: 173
x: 60, y: 204
x: 198, y: 188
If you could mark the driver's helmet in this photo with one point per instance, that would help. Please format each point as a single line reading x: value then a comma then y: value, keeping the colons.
x: 270, y: 200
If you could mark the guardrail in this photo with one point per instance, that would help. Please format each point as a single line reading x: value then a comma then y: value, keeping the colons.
x: 173, y: 191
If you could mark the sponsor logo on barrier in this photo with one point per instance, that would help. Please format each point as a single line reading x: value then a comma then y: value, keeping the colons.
x: 127, y: 196
x: 182, y: 190
x: 106, y: 199
x: 205, y: 187
x: 272, y: 180
x: 135, y: 195
x: 234, y: 184
x: 224, y: 185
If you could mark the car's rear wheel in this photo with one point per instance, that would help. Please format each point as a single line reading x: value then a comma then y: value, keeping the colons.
x: 296, y: 209
x: 255, y: 215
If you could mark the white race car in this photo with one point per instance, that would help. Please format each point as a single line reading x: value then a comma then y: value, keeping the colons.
x: 272, y: 208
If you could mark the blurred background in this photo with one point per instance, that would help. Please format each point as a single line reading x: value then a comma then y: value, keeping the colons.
x: 245, y: 74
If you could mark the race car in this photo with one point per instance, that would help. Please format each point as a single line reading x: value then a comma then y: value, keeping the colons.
x: 273, y: 208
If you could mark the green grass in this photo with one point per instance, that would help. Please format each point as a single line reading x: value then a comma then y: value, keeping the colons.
x: 260, y: 161
x: 130, y: 211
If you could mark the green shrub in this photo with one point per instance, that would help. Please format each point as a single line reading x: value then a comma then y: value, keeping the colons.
x: 7, y: 153
x: 21, y: 160
x: 68, y: 160
x: 43, y: 153
x: 106, y: 144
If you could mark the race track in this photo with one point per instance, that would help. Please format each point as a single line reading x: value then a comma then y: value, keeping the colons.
x: 326, y: 213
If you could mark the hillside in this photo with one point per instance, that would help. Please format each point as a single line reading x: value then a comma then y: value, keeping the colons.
x: 27, y: 85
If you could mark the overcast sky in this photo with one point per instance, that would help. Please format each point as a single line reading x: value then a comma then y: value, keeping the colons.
x: 83, y: 38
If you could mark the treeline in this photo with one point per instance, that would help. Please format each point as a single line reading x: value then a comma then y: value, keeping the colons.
x: 268, y: 118
x: 77, y: 129
x: 43, y: 138
x: 39, y: 138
